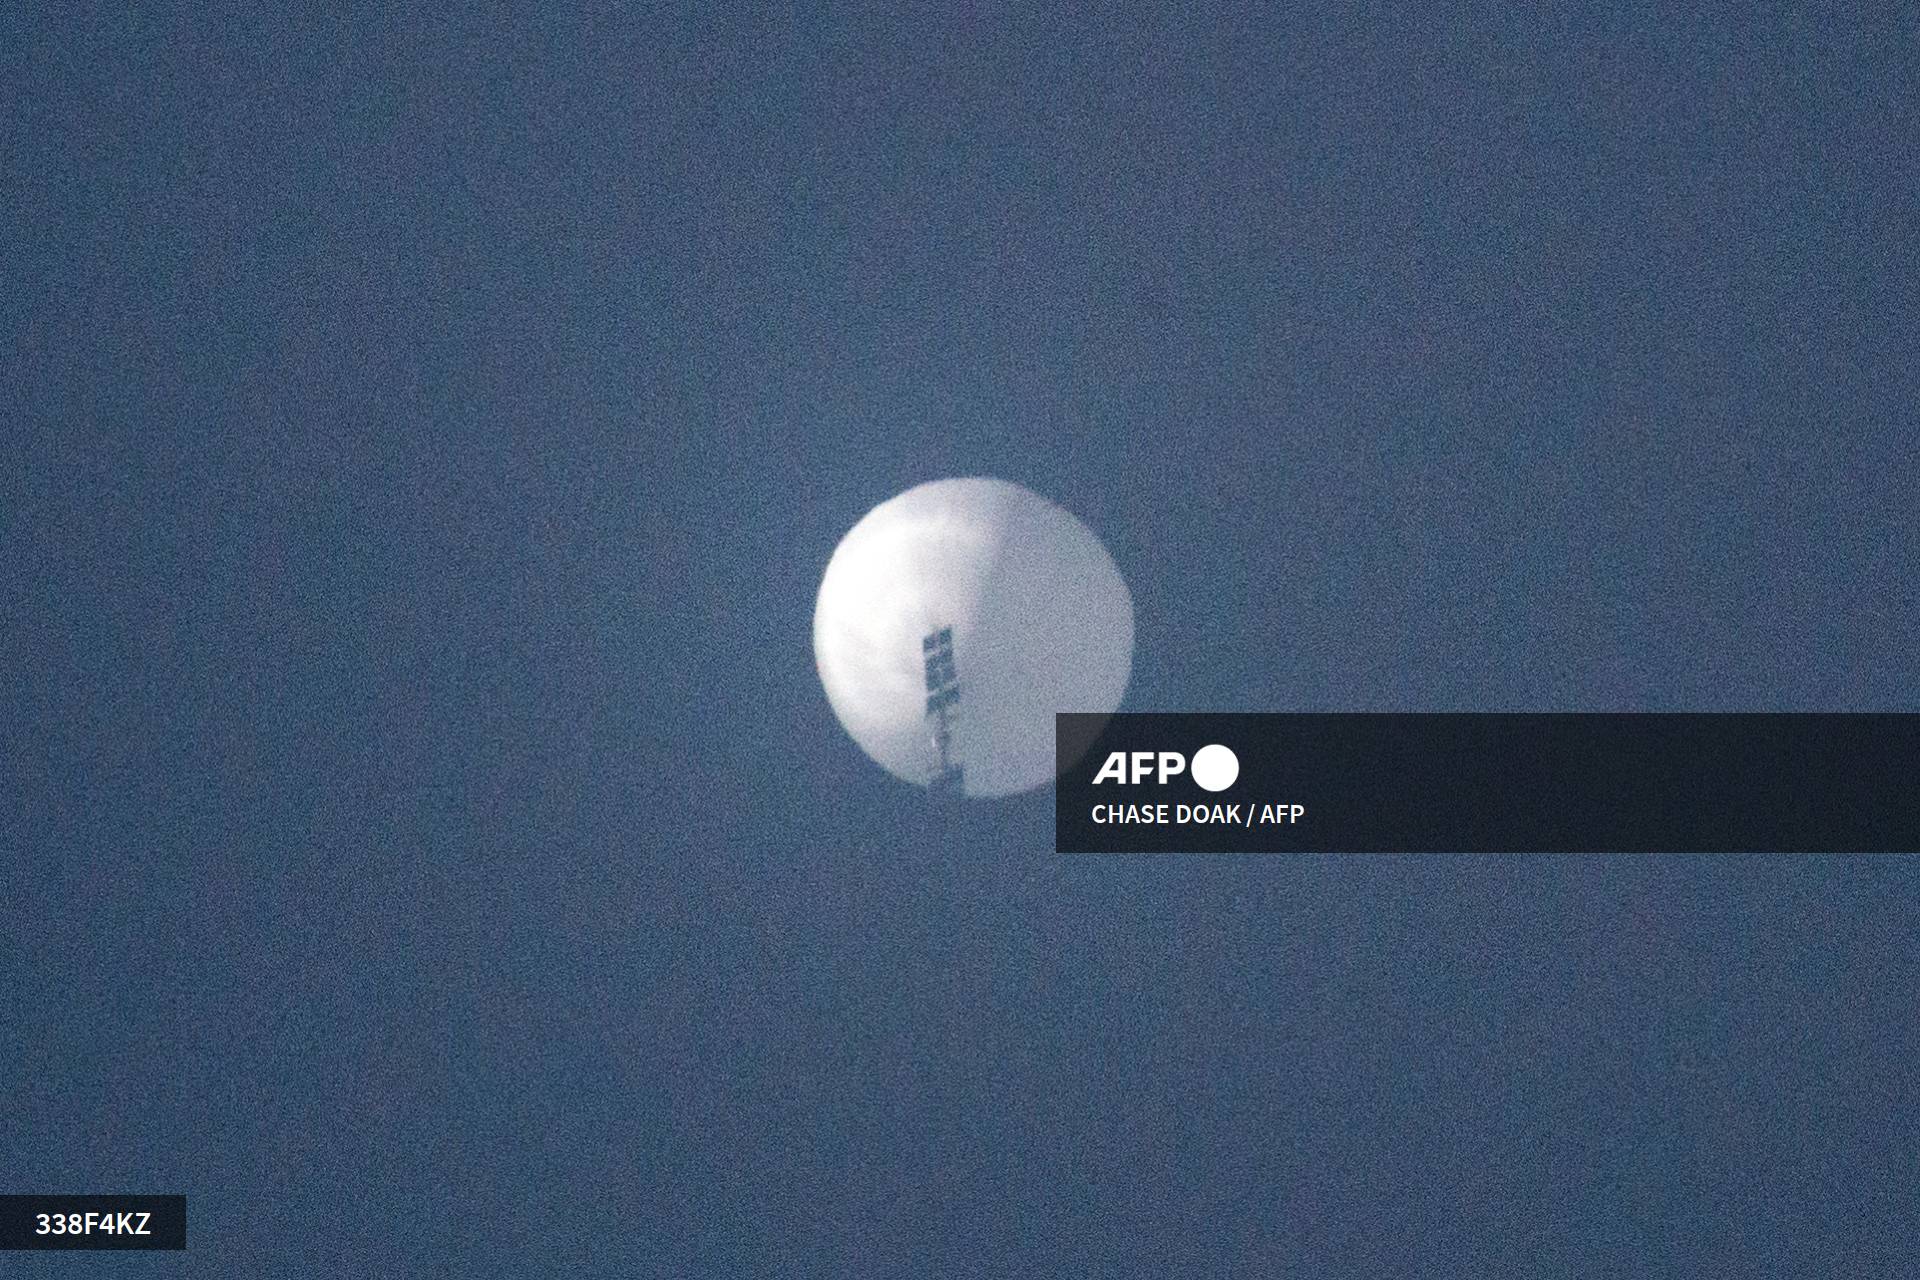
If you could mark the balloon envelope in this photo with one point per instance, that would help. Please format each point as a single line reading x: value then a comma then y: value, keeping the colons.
x: 1041, y: 622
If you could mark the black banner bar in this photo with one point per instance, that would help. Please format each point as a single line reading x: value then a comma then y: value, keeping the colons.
x: 1490, y: 783
x: 93, y: 1222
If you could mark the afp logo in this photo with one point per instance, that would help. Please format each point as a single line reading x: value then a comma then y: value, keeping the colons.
x: 1214, y: 767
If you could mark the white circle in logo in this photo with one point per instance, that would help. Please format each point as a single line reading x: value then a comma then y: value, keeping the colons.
x: 1215, y: 767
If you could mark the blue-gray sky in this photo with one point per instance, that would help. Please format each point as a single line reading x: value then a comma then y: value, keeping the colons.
x: 427, y: 846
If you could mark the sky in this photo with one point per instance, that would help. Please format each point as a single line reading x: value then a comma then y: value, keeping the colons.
x: 425, y: 841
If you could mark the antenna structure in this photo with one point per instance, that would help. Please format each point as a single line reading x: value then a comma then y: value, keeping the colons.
x: 943, y: 693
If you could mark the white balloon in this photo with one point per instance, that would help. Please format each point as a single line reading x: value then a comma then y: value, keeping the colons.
x: 1042, y: 622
